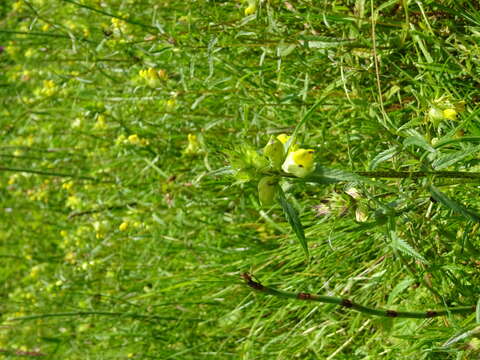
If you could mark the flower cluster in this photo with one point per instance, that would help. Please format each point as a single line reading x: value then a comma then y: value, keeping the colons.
x: 444, y: 108
x: 282, y: 151
x: 281, y: 156
x: 153, y: 77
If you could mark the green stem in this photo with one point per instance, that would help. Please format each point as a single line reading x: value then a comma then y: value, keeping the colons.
x: 419, y: 174
x: 357, y: 307
x: 99, y: 313
x: 51, y: 173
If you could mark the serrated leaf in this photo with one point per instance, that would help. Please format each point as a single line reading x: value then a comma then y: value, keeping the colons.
x: 453, y: 205
x: 293, y: 219
x: 404, y: 247
x: 450, y: 159
x: 418, y: 140
x: 383, y: 156
x: 324, y: 175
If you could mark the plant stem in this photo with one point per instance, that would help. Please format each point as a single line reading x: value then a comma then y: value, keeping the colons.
x: 51, y: 173
x: 351, y: 305
x: 420, y: 174
x: 99, y: 313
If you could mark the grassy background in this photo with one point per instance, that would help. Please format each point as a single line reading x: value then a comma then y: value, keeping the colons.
x: 76, y: 286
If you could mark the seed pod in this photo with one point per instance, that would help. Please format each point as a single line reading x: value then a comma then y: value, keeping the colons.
x: 266, y: 190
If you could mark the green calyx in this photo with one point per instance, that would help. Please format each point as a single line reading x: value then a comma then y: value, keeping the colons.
x: 267, y: 187
x: 275, y: 153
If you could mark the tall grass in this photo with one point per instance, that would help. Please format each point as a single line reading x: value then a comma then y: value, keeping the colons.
x: 117, y: 243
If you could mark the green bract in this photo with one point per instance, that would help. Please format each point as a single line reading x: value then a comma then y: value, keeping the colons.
x: 274, y: 151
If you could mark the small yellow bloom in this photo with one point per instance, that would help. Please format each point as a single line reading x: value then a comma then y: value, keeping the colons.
x: 450, y: 114
x: 283, y: 138
x: 49, y: 88
x: 134, y: 139
x: 299, y: 162
x: 123, y: 226
x: 251, y: 9
x: 73, y: 202
x: 67, y: 186
x: 100, y: 123
x: 194, y: 147
x: 120, y: 139
x: 70, y: 257
x: 171, y: 103
x: 29, y: 53
x: 153, y: 77
x: 17, y: 6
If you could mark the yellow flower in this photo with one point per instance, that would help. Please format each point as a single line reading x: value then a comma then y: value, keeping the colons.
x: 252, y: 7
x: 123, y: 226
x: 153, y: 77
x: 68, y: 185
x: 134, y: 139
x: 29, y: 53
x: 299, y: 162
x: 283, y: 138
x: 100, y: 123
x: 450, y: 114
x: 170, y: 104
x: 194, y: 146
x: 49, y: 88
x: 120, y: 139
x: 73, y: 202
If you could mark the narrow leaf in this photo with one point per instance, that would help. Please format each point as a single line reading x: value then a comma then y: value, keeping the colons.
x: 383, y: 156
x: 461, y: 336
x: 453, y: 205
x: 294, y: 220
x: 477, y: 314
x: 419, y: 141
x: 450, y: 159
x: 399, y: 288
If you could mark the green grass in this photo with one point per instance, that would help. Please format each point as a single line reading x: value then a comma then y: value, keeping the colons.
x: 167, y: 284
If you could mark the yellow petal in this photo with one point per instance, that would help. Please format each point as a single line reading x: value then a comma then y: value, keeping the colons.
x: 450, y: 114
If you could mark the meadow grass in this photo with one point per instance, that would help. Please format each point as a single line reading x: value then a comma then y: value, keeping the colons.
x: 116, y: 242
